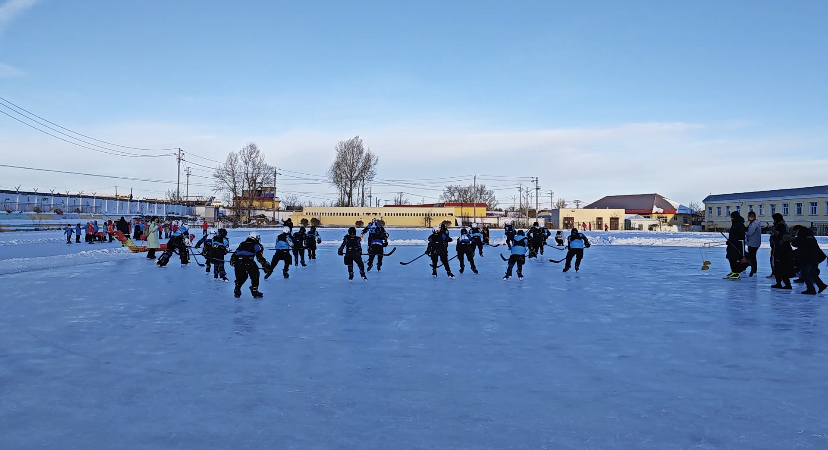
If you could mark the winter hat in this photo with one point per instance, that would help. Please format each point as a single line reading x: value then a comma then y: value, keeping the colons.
x: 352, y: 231
x: 735, y: 215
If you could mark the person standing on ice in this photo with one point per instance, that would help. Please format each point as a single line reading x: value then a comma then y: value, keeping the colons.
x: 284, y: 243
x: 509, y: 232
x: 176, y: 242
x: 485, y: 232
x: 438, y: 249
x: 465, y: 249
x: 153, y: 242
x: 207, y: 241
x: 68, y: 232
x: 736, y: 246
x: 476, y: 236
x: 782, y: 254
x: 753, y: 239
x: 377, y: 241
x: 775, y: 232
x: 299, y: 247
x: 311, y: 240
x: 220, y: 246
x: 244, y: 261
x: 537, y: 239
x: 576, y: 242
x: 78, y: 232
x: 517, y: 256
x: 351, y: 249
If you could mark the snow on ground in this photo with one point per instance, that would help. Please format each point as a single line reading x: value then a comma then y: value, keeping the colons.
x: 641, y: 349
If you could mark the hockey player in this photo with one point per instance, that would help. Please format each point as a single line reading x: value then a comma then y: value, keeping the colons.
x: 577, y: 242
x: 351, y: 249
x: 537, y: 239
x: 559, y: 238
x: 438, y: 249
x: 509, y: 231
x: 207, y: 240
x: 485, y: 231
x: 465, y: 249
x: 283, y: 245
x: 176, y: 242
x: 517, y: 256
x: 299, y: 247
x: 68, y: 232
x: 311, y: 239
x: 477, y: 238
x: 219, y: 246
x: 244, y: 261
x: 377, y: 241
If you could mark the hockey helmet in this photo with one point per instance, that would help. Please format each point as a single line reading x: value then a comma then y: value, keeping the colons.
x: 301, y: 229
x: 520, y: 232
x: 352, y: 231
x: 508, y: 222
x: 574, y: 231
x: 535, y: 225
x: 463, y: 231
x: 435, y: 229
x: 212, y: 232
x: 285, y: 229
x: 254, y: 235
x: 474, y: 225
x: 222, y: 232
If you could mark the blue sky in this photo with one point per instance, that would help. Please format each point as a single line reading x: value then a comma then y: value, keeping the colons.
x: 594, y: 98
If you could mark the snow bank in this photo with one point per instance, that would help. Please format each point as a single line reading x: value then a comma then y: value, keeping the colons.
x: 79, y: 259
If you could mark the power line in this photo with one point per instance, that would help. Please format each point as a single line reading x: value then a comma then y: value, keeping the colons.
x: 37, y: 169
x: 75, y: 132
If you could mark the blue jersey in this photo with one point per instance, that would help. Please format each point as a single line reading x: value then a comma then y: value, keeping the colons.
x: 577, y: 241
x: 519, y: 245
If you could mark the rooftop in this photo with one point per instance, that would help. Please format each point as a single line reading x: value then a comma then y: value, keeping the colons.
x: 814, y: 191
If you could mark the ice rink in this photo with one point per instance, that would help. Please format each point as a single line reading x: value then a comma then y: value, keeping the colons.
x: 100, y: 349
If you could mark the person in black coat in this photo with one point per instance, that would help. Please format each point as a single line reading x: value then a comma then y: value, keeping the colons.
x: 736, y: 246
x: 783, y: 260
x: 810, y: 256
x: 351, y: 249
x: 438, y: 249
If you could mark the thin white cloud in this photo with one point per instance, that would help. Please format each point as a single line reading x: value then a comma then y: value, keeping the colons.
x: 7, y: 71
x: 11, y: 9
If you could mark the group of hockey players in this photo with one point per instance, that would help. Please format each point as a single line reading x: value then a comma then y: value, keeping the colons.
x: 291, y: 247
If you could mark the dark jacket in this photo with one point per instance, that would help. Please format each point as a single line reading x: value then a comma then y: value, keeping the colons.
x: 438, y: 244
x: 809, y: 251
x: 783, y: 258
x: 736, y: 237
x: 351, y: 244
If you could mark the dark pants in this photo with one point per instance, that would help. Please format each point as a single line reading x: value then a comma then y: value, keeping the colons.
x: 578, y: 253
x: 479, y: 246
x: 77, y: 239
x: 298, y: 253
x: 350, y: 259
x: 176, y: 242
x: 443, y: 257
x: 279, y: 256
x: 520, y: 260
x: 751, y: 257
x: 151, y: 253
x: 375, y: 251
x: 218, y: 269
x: 466, y: 253
x: 783, y: 281
x: 810, y: 274
x: 312, y: 250
x: 245, y: 269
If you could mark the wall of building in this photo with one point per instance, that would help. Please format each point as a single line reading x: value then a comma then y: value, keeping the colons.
x: 561, y: 218
x: 393, y: 216
x: 718, y: 213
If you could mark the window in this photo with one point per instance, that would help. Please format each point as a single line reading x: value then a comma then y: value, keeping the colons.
x: 750, y: 208
x: 798, y: 208
x: 727, y: 210
x: 710, y: 209
x: 812, y: 208
x: 773, y: 208
x: 826, y: 208
x: 786, y: 209
x: 738, y: 208
x: 719, y: 211
x: 761, y: 209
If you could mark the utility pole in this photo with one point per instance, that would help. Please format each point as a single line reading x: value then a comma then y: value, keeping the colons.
x: 537, y: 189
x: 370, y: 198
x: 474, y: 206
x: 551, y: 201
x: 178, y: 180
x: 520, y: 198
x: 187, y: 191
x: 275, y: 172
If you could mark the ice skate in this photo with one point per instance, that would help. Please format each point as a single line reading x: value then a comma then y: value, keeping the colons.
x: 237, y: 291
x: 256, y: 293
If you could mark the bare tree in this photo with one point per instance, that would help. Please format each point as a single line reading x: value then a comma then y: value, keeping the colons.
x: 242, y: 177
x: 353, y: 168
x: 560, y: 203
x: 290, y: 202
x: 400, y: 200
x: 466, y: 194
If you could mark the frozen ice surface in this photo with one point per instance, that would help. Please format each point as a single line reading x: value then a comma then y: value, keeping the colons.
x: 640, y: 350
